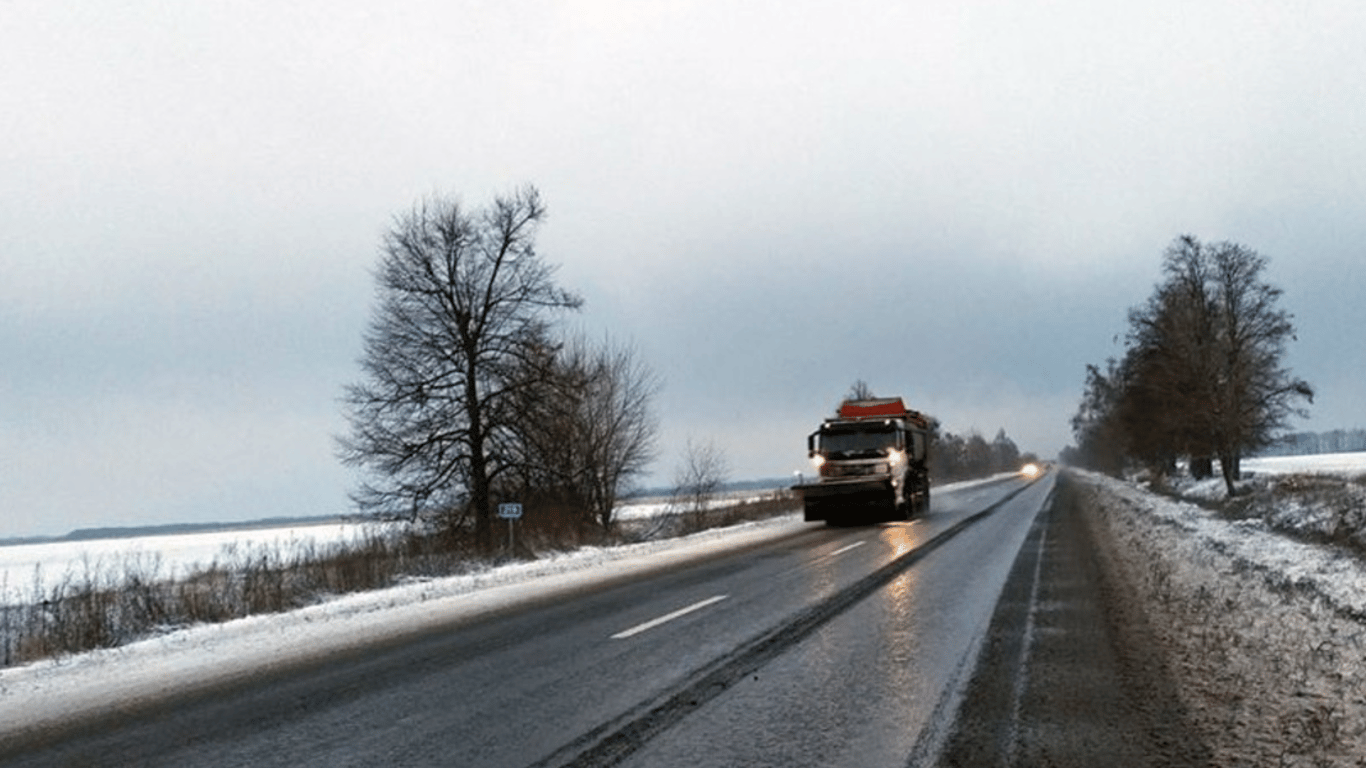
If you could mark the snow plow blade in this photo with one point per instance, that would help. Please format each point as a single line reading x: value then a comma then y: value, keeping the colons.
x: 847, y: 501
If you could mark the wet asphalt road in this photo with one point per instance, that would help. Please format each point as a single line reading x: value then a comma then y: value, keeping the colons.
x: 828, y: 646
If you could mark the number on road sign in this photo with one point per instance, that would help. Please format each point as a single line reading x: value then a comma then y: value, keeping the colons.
x: 510, y: 511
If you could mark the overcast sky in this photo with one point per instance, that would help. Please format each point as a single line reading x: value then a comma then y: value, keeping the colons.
x: 955, y: 201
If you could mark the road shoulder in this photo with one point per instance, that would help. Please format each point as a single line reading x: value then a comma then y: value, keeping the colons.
x: 1070, y: 673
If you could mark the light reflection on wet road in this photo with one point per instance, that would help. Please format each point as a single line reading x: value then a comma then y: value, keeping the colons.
x: 874, y: 684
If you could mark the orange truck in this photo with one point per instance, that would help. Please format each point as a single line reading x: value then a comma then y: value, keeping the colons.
x: 871, y: 461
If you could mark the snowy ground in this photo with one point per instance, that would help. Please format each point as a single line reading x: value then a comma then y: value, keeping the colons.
x: 1335, y: 575
x: 1266, y: 632
x: 1257, y: 471
x: 29, y: 570
x: 1348, y: 464
x: 654, y: 507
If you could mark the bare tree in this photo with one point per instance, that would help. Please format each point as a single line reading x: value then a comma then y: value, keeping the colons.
x: 1100, y: 436
x: 697, y: 481
x: 590, y: 428
x: 1173, y: 341
x: 460, y: 317
x: 1254, y: 394
x: 977, y: 455
x: 859, y: 390
x: 619, y: 424
x: 1005, y: 454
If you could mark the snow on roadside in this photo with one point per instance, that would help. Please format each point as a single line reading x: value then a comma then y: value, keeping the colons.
x: 47, y: 692
x: 1328, y: 572
x: 1265, y: 636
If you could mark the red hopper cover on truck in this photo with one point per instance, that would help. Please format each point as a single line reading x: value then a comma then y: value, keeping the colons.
x: 864, y: 409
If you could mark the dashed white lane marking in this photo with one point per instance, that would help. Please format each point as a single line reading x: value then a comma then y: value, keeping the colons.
x: 842, y: 550
x: 651, y: 624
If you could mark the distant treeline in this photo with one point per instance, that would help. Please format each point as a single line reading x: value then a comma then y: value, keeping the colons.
x: 1313, y: 443
x: 729, y: 486
x: 962, y: 457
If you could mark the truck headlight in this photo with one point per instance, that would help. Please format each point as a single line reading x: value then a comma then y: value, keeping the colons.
x: 896, y: 456
x: 818, y: 461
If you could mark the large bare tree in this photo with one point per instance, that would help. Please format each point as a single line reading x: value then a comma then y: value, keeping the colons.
x: 1254, y: 394
x: 461, y: 316
x: 1169, y: 397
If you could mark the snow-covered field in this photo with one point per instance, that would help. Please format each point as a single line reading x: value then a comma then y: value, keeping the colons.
x: 27, y: 570
x: 654, y: 507
x: 1348, y: 464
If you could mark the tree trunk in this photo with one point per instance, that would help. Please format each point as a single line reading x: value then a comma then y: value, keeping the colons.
x: 1202, y: 467
x: 479, y: 468
x: 480, y: 500
x: 1230, y: 463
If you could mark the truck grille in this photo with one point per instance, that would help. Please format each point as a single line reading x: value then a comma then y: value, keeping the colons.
x: 833, y: 469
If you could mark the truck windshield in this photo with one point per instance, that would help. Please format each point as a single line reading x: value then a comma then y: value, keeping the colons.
x: 850, y: 442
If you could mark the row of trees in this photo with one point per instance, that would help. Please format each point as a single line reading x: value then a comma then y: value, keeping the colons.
x: 473, y: 394
x: 960, y: 457
x: 1311, y: 443
x: 1201, y: 376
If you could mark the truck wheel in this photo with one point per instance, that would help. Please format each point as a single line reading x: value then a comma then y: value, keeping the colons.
x: 906, y: 509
